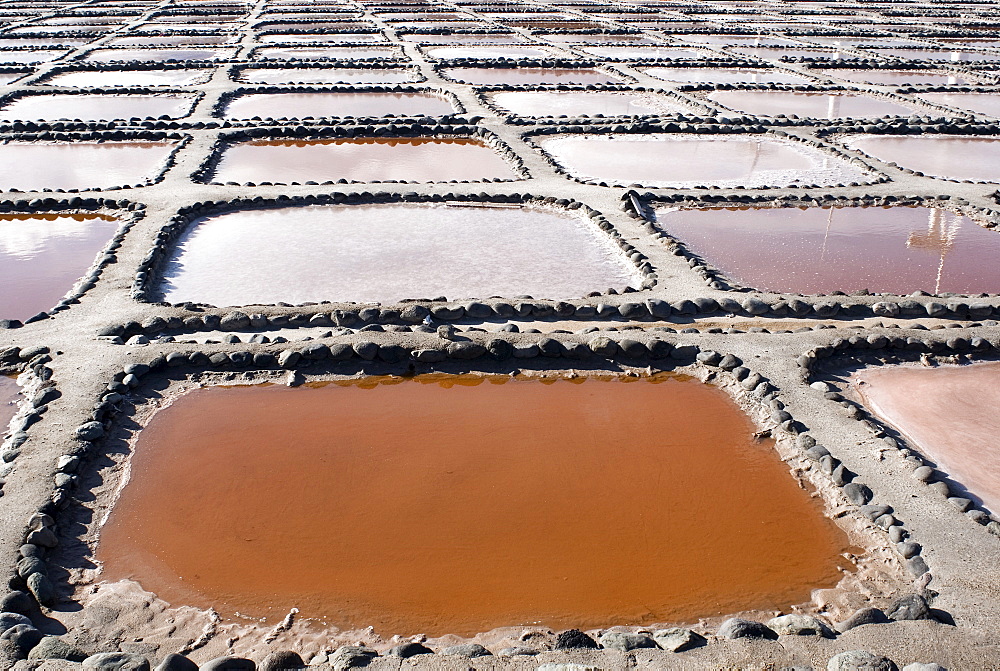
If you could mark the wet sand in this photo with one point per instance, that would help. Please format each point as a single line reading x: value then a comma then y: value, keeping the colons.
x: 448, y: 508
x: 948, y: 414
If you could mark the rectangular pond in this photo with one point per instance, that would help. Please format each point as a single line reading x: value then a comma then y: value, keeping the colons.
x: 43, y: 255
x: 897, y: 250
x: 397, y: 523
x: 292, y: 75
x: 814, y: 105
x: 697, y: 75
x: 897, y: 77
x: 97, y: 107
x: 30, y: 57
x: 949, y: 156
x: 585, y: 103
x: 319, y: 38
x: 32, y: 166
x: 157, y: 55
x: 527, y: 76
x: 129, y: 78
x: 678, y: 160
x: 361, y: 159
x: 314, y: 53
x: 421, y: 251
x: 487, y: 52
x: 946, y: 413
x: 336, y: 104
x: 987, y: 104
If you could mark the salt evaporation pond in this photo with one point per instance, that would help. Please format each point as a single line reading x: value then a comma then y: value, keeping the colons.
x: 96, y: 107
x: 897, y: 77
x: 9, y: 397
x: 508, y: 251
x: 585, y: 103
x: 390, y: 499
x: 128, y: 78
x: 696, y: 75
x: 518, y: 76
x: 815, y: 105
x: 981, y: 103
x: 304, y: 53
x: 949, y: 156
x: 29, y: 57
x: 31, y: 166
x: 362, y: 160
x: 947, y: 413
x: 158, y: 55
x: 487, y: 52
x: 336, y: 103
x: 667, y: 160
x: 317, y: 38
x: 327, y: 76
x: 638, y: 53
x: 895, y: 250
x: 43, y: 255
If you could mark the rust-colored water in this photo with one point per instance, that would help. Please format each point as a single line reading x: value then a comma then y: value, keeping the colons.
x: 9, y: 396
x: 948, y: 413
x: 363, y: 160
x: 816, y: 105
x: 460, y: 505
x: 42, y: 256
x: 28, y: 166
x: 949, y: 156
x: 814, y: 250
x: 980, y: 103
x: 323, y: 104
x: 490, y: 76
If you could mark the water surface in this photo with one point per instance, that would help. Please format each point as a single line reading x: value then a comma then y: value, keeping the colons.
x: 124, y: 78
x: 949, y: 156
x: 327, y: 76
x: 336, y: 103
x: 26, y: 166
x: 518, y: 76
x: 815, y: 105
x: 585, y: 103
x: 96, y: 107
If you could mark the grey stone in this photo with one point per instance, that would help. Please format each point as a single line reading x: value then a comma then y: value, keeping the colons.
x: 17, y: 602
x: 909, y: 607
x: 574, y: 639
x: 917, y: 566
x: 176, y: 662
x: 116, y: 661
x: 860, y: 660
x: 677, y: 639
x: 90, y: 431
x: 53, y: 647
x: 41, y: 587
x: 8, y: 620
x: 429, y: 355
x: 467, y: 650
x: 351, y: 656
x: 799, y: 625
x: 10, y: 654
x: 229, y: 663
x: 857, y: 493
x: 405, y: 650
x: 44, y: 537
x: 281, y: 660
x: 862, y: 617
x: 729, y: 362
x: 518, y: 650
x: 465, y: 350
x: 603, y: 346
x: 908, y: 549
x: 24, y: 635
x: 736, y: 627
x: 614, y: 640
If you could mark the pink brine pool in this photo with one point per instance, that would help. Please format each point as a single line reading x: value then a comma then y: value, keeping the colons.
x: 948, y: 414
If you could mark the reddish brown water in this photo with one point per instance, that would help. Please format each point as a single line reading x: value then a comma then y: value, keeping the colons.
x: 9, y: 396
x: 816, y: 105
x: 980, y: 103
x: 949, y: 156
x: 298, y: 105
x: 43, y: 255
x: 490, y: 76
x: 470, y: 505
x: 326, y: 76
x: 28, y: 166
x: 97, y: 107
x: 306, y: 53
x: 105, y: 78
x: 895, y: 250
x: 947, y: 413
x: 363, y: 160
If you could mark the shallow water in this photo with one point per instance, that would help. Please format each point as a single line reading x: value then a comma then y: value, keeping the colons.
x: 105, y: 78
x: 96, y: 107
x: 815, y: 105
x: 30, y: 57
x: 946, y: 413
x: 390, y: 499
x: 10, y: 394
x: 491, y: 251
x: 684, y: 160
x: 897, y: 77
x: 980, y: 103
x: 363, y: 160
x: 487, y: 52
x: 326, y: 76
x: 321, y: 104
x: 895, y: 250
x: 463, y: 38
x: 302, y: 53
x: 109, y: 55
x: 517, y: 76
x: 769, y: 52
x: 585, y: 103
x: 338, y: 38
x: 636, y: 53
x: 948, y: 156
x: 79, y: 165
x: 933, y: 55
x: 41, y: 258
x: 170, y: 40
x: 691, y: 75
